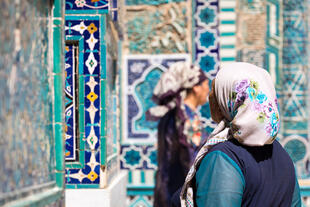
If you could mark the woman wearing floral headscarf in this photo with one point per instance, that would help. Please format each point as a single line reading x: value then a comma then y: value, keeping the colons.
x: 247, y: 166
x: 178, y: 93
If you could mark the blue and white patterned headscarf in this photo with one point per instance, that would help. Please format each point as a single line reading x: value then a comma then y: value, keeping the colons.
x: 171, y: 87
x: 170, y: 93
x: 247, y: 99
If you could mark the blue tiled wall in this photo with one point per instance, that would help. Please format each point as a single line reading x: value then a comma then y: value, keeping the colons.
x: 26, y: 111
x: 96, y: 142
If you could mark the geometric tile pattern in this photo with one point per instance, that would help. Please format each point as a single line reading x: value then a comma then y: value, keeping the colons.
x: 140, y: 75
x: 140, y: 187
x: 206, y: 53
x: 86, y: 31
x: 138, y: 157
x: 86, y: 6
x: 140, y: 201
x: 141, y: 177
x: 295, y: 120
x: 206, y: 46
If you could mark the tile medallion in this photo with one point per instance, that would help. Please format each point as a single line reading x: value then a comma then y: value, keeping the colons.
x: 139, y: 79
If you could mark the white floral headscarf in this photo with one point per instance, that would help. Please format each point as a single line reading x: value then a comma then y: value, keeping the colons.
x: 247, y: 99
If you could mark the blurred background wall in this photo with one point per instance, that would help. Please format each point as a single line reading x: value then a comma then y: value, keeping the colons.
x: 29, y: 131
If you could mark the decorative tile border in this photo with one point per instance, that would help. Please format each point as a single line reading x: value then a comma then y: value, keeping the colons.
x: 206, y: 36
x: 87, y: 6
x: 71, y: 135
x: 86, y: 30
x: 69, y: 104
x: 206, y: 45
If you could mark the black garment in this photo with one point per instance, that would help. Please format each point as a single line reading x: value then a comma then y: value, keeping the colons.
x: 268, y: 172
x: 173, y: 161
x: 175, y: 200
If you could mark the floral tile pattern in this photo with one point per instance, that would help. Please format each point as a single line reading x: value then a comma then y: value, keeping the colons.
x: 87, y: 33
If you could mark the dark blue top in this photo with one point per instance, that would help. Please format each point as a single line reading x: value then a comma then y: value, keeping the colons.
x: 232, y: 175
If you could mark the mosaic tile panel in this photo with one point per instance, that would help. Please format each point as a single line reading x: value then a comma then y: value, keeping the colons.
x: 295, y: 85
x: 86, y: 6
x: 27, y: 152
x: 138, y: 157
x: 87, y: 175
x: 159, y: 29
x: 206, y: 53
x: 86, y: 30
x: 206, y: 45
x: 139, y: 79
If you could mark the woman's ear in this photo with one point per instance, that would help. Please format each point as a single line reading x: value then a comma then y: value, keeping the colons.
x: 215, y: 110
x: 195, y: 89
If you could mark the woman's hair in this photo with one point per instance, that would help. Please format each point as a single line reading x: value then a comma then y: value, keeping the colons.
x: 189, y: 91
x: 215, y: 110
